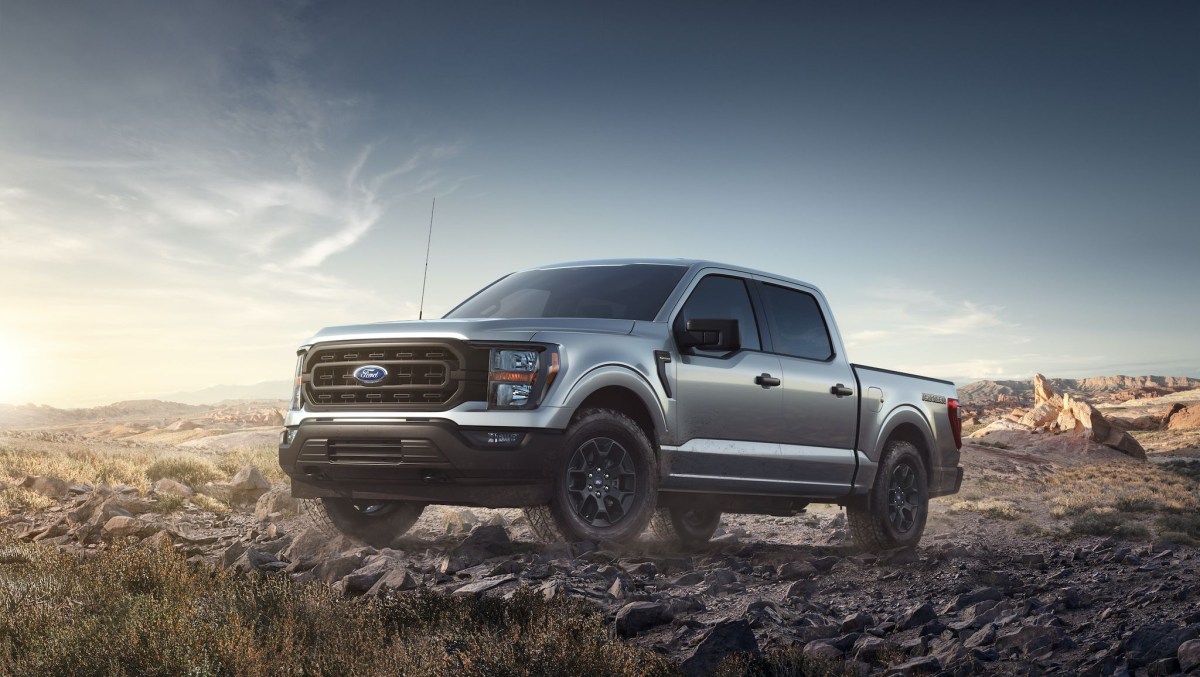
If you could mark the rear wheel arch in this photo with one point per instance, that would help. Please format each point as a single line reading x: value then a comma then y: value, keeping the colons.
x: 906, y: 425
x: 907, y: 432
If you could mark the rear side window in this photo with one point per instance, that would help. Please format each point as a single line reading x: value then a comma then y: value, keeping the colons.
x: 722, y: 298
x: 797, y: 326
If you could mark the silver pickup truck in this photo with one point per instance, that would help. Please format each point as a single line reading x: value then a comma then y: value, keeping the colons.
x: 605, y: 396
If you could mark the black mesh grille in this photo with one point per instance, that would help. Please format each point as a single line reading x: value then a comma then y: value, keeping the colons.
x: 420, y: 376
x: 385, y: 452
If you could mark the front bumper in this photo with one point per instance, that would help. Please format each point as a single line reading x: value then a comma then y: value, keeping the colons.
x: 430, y: 461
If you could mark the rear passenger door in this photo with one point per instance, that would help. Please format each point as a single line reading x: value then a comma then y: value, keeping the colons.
x: 820, y: 402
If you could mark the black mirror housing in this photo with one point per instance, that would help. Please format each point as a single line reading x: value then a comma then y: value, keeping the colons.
x: 710, y: 334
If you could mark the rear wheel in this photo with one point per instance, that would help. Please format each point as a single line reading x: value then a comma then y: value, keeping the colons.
x: 894, y: 512
x: 689, y: 526
x: 606, y: 481
x: 376, y: 523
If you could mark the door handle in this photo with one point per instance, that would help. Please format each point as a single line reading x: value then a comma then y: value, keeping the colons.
x: 766, y: 380
x: 840, y: 390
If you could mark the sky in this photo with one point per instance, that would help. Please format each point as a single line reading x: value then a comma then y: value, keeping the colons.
x: 188, y: 190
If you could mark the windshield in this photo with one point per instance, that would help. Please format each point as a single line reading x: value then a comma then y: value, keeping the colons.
x: 633, y: 291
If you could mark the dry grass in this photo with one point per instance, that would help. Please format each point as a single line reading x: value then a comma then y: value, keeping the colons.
x: 96, y: 463
x: 18, y: 499
x: 989, y: 507
x: 1122, y: 487
x: 141, y: 611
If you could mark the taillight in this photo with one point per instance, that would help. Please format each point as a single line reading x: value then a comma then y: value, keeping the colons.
x: 955, y: 422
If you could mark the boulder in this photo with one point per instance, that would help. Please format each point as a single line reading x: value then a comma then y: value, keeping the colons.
x: 277, y: 502
x: 1082, y: 418
x: 248, y: 484
x: 1042, y: 415
x: 365, y: 577
x: 917, y: 616
x: 120, y: 527
x: 336, y: 568
x: 50, y: 487
x: 822, y: 651
x: 1182, y: 418
x: 459, y: 521
x: 1156, y: 641
x: 398, y: 578
x: 313, y: 545
x: 726, y: 638
x: 483, y: 543
x: 795, y: 571
x: 169, y: 487
x: 637, y: 617
x: 1188, y: 654
x: 1032, y: 640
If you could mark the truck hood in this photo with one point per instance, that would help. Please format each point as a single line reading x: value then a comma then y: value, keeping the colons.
x: 471, y: 330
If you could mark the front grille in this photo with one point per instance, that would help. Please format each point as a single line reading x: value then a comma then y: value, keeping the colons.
x: 423, y: 376
x: 386, y: 452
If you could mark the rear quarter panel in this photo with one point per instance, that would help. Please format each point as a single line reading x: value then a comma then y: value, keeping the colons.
x: 895, y: 404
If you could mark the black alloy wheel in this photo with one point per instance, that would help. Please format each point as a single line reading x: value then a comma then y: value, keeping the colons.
x: 904, y: 498
x: 601, y: 482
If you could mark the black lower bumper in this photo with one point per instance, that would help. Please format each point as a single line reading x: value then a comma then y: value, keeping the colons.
x: 947, y: 481
x: 430, y: 462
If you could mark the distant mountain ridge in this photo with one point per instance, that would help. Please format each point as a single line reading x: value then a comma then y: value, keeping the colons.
x: 267, y: 390
x: 986, y: 390
x: 40, y: 415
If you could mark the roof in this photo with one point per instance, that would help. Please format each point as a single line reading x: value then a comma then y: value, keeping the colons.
x: 692, y: 264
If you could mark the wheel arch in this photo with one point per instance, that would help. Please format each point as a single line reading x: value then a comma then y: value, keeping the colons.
x: 906, y: 424
x: 624, y: 390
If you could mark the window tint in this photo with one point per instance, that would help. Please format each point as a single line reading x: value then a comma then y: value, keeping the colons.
x: 722, y: 298
x: 797, y: 327
x: 623, y: 292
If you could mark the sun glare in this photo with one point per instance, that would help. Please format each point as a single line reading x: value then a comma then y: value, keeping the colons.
x: 12, y: 365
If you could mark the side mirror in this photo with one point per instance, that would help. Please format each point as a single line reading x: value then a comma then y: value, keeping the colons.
x: 707, y: 334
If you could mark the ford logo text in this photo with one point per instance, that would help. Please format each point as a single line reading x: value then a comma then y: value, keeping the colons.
x: 370, y: 374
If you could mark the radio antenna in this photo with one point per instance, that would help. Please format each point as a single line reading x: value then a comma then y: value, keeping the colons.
x: 425, y: 278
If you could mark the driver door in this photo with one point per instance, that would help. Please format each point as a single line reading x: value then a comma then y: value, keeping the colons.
x: 728, y: 404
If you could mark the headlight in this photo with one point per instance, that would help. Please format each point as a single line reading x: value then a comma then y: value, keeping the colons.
x: 295, y: 406
x: 519, y: 377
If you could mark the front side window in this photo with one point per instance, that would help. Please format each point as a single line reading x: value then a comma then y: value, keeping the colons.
x: 633, y: 291
x: 797, y: 326
x: 722, y: 298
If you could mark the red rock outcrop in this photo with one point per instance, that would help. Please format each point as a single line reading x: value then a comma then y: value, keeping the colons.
x: 1067, y: 414
x: 1182, y: 418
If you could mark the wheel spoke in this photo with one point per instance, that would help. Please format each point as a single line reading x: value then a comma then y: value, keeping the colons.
x: 601, y: 480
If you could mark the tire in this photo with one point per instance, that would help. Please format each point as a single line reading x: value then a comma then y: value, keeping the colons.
x: 376, y: 523
x: 541, y: 523
x: 605, y: 481
x: 894, y: 512
x: 687, y: 526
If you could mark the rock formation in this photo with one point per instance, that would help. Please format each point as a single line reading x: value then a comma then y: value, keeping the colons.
x: 1067, y: 414
x: 1182, y: 418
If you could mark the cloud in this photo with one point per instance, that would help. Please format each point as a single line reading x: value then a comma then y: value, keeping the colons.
x: 197, y: 215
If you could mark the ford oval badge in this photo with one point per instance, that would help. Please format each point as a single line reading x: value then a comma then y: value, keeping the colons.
x: 370, y: 374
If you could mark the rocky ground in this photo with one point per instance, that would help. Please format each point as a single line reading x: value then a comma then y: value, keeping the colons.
x: 1003, y: 582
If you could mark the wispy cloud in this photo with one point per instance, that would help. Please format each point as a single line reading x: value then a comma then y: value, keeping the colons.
x: 210, y: 218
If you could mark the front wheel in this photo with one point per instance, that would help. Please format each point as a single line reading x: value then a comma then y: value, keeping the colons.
x: 894, y: 513
x: 606, y: 479
x: 376, y: 523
